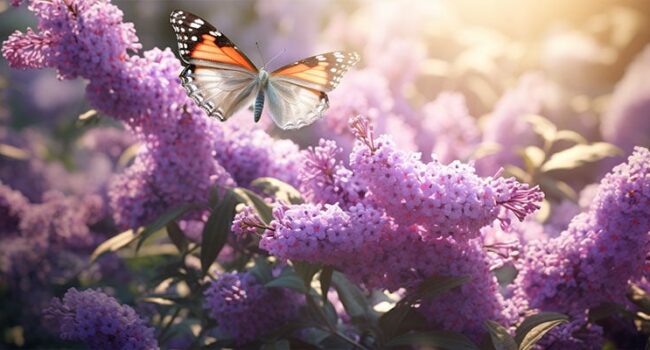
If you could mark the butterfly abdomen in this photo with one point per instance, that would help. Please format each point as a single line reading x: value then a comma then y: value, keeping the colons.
x: 259, y: 105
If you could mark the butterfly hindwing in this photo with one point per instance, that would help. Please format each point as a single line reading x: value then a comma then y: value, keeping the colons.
x: 321, y: 72
x: 293, y: 106
x: 218, y: 77
x: 220, y: 92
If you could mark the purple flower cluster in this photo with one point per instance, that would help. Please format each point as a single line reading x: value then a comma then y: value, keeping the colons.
x: 99, y: 321
x: 406, y: 221
x: 88, y: 39
x: 323, y: 179
x: 625, y: 123
x: 245, y: 309
x: 602, y: 249
x: 507, y: 126
x: 45, y: 241
x: 447, y: 199
x: 448, y: 130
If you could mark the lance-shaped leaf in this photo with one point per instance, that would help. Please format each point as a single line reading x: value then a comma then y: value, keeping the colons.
x: 579, y: 155
x: 352, y: 298
x: 115, y: 243
x: 162, y: 221
x: 280, y: 190
x: 217, y: 229
x: 306, y: 271
x: 533, y: 157
x: 325, y: 281
x: 253, y: 200
x: 435, y: 339
x: 391, y: 321
x: 177, y: 236
x: 434, y: 286
x: 262, y: 270
x: 501, y: 339
x: 533, y: 328
x: 288, y: 279
x: 542, y: 127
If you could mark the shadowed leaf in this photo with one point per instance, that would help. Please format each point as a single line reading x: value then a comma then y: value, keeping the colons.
x: 501, y: 339
x: 437, y: 339
x: 533, y: 328
x: 217, y: 229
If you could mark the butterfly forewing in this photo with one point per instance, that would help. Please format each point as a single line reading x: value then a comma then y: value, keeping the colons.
x: 297, y: 92
x: 199, y: 41
x: 218, y: 77
x: 321, y: 72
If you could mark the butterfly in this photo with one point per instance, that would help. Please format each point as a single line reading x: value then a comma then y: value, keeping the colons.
x: 222, y: 80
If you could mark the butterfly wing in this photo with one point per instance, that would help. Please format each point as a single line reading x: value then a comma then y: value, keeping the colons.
x: 297, y: 92
x: 217, y: 76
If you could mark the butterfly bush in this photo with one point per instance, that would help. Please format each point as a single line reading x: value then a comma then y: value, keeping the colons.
x: 602, y: 249
x: 389, y: 221
x: 99, y: 321
x: 506, y: 126
x: 177, y: 141
x: 245, y: 309
x: 448, y: 130
x: 625, y: 121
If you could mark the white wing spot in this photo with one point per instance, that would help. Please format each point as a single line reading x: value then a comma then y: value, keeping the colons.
x: 339, y: 60
x: 215, y: 33
x: 195, y: 38
x: 333, y: 70
x: 199, y: 21
x: 195, y: 25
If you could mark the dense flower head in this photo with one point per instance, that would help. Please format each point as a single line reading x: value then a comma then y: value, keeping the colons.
x: 323, y: 179
x: 448, y: 130
x: 178, y: 142
x: 592, y: 260
x: 12, y: 207
x: 250, y: 153
x: 245, y: 309
x: 448, y: 199
x: 99, y: 321
x: 507, y: 126
x: 625, y: 122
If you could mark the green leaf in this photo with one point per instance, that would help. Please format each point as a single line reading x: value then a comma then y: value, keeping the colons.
x: 533, y: 157
x: 262, y: 270
x: 542, y: 127
x: 217, y: 229
x: 169, y: 216
x: 434, y: 286
x: 325, y: 281
x: 177, y: 236
x: 264, y: 210
x: 557, y: 188
x: 352, y: 298
x: 579, y: 155
x: 569, y: 135
x: 12, y: 152
x: 436, y: 339
x: 517, y: 172
x: 485, y: 149
x: 288, y: 280
x: 306, y: 271
x: 605, y: 310
x: 115, y: 243
x: 280, y: 190
x: 533, y: 328
x: 391, y: 321
x: 501, y: 339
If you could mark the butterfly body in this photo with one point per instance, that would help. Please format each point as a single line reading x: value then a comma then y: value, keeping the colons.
x: 263, y: 81
x: 221, y: 79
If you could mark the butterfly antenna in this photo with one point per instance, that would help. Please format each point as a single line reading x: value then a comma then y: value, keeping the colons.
x: 260, y: 53
x: 276, y: 56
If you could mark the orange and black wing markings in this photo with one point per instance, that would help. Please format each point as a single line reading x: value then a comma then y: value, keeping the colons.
x: 321, y: 72
x: 198, y: 41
